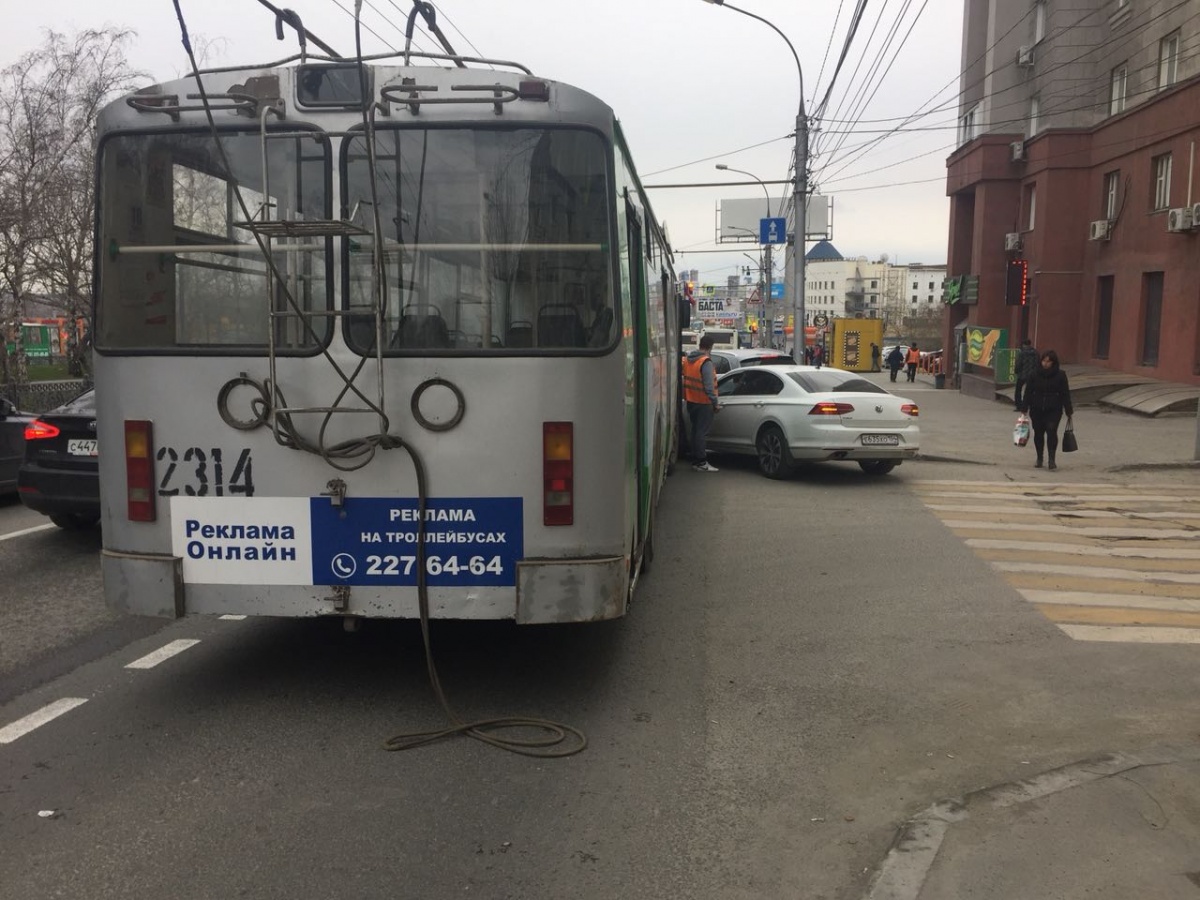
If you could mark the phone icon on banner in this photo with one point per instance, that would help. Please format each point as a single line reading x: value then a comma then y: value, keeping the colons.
x: 344, y: 566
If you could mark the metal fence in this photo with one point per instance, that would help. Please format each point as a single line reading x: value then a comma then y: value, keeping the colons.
x: 41, y: 396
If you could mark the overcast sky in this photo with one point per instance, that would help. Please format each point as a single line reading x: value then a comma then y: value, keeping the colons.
x: 693, y: 84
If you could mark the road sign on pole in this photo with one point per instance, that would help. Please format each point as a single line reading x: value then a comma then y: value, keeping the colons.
x: 772, y: 231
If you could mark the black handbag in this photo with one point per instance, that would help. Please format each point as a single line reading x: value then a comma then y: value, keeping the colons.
x: 1069, y: 444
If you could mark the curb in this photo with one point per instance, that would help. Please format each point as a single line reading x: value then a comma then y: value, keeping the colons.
x: 906, y: 867
x: 929, y: 457
x: 1143, y: 467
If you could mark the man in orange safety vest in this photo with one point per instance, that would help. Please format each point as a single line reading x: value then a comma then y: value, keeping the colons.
x: 700, y: 392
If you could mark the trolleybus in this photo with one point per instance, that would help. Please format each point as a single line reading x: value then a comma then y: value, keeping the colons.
x: 370, y: 334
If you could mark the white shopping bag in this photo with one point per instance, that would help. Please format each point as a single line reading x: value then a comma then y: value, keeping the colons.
x: 1021, y: 431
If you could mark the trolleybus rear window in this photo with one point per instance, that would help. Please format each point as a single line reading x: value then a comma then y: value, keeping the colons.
x: 495, y: 240
x: 180, y: 262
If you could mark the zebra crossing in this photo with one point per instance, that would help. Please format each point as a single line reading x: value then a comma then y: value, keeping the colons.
x: 1103, y: 562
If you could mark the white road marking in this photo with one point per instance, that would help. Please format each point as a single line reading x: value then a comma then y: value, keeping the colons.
x: 25, y: 531
x: 1064, y: 498
x: 1141, y: 634
x: 150, y: 660
x: 1099, y: 531
x: 1064, y: 513
x: 232, y: 618
x: 21, y: 727
x: 1098, y: 572
x: 1121, y: 601
x: 1085, y: 550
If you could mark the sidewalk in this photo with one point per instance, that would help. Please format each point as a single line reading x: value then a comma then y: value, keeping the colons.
x: 957, y: 428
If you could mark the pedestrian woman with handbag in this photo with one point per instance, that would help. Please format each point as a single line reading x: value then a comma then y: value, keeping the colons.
x: 1047, y: 397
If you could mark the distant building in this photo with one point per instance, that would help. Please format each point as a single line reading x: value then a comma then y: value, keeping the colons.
x: 862, y: 288
x: 1078, y: 126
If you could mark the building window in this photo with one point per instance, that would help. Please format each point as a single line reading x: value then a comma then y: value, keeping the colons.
x: 1116, y: 89
x: 1152, y: 294
x: 914, y: 299
x: 874, y: 283
x: 1162, y: 181
x: 914, y: 285
x: 1112, y: 182
x: 968, y: 125
x: 1035, y: 108
x: 1030, y: 206
x: 1168, y: 60
x: 1039, y: 21
x: 1104, y: 301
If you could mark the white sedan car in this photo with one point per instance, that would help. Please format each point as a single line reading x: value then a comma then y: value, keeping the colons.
x: 788, y: 414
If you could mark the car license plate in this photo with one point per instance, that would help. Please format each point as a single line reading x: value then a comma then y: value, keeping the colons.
x: 83, y: 448
x: 889, y: 440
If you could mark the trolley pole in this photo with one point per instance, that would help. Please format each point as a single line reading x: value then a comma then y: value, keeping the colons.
x: 767, y: 335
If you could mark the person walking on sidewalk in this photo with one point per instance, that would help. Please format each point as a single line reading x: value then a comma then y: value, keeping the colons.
x: 875, y: 358
x: 700, y: 392
x: 895, y: 359
x: 1047, y: 397
x: 1026, y: 367
x: 911, y: 359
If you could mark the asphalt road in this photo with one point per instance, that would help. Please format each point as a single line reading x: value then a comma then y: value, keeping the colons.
x: 808, y: 664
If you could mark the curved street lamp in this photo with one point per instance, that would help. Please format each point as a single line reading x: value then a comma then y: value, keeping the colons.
x: 800, y: 190
x: 767, y: 268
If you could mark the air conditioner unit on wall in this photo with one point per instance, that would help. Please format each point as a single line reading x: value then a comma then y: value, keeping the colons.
x: 1179, y: 219
x: 1012, y: 240
x: 1018, y: 150
x: 1101, y: 230
x: 1025, y: 57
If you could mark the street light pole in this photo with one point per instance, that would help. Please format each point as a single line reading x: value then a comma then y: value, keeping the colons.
x: 800, y: 191
x: 769, y: 269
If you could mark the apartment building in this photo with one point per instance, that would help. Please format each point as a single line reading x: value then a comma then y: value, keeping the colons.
x: 1078, y: 126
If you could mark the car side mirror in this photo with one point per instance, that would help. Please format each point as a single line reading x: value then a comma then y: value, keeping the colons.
x: 6, y: 408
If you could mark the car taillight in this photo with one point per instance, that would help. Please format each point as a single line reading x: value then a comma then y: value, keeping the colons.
x: 558, y: 468
x: 37, y: 430
x: 831, y: 409
x: 910, y: 409
x: 139, y: 470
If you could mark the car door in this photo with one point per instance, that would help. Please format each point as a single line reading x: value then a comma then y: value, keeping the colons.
x: 744, y: 410
x: 720, y: 436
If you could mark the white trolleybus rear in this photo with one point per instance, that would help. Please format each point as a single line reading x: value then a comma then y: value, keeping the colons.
x: 368, y: 331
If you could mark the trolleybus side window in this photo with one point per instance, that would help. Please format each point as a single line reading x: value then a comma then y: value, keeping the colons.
x: 496, y: 240
x: 183, y: 269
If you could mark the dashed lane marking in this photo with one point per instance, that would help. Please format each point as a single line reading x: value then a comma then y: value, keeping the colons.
x: 48, y: 713
x: 150, y: 660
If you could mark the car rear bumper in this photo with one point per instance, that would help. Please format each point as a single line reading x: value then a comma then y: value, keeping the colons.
x: 57, y: 491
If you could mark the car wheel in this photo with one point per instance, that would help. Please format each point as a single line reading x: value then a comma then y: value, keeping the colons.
x: 74, y: 521
x: 774, y: 457
x: 877, y: 466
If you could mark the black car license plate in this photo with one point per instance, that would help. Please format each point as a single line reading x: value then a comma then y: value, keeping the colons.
x: 884, y: 440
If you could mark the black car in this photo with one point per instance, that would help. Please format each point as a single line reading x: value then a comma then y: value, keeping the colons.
x: 12, y: 443
x: 61, y: 473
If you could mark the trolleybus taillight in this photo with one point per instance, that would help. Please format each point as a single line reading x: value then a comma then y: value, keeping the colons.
x: 139, y: 470
x: 558, y: 467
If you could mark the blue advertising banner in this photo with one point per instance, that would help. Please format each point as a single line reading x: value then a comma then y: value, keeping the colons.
x: 469, y: 541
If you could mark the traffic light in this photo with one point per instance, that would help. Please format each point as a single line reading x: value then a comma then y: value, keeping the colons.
x: 1016, y: 283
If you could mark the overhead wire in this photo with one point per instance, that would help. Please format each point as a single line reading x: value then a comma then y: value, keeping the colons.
x: 828, y: 46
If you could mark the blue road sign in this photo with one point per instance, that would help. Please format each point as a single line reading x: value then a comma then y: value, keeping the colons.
x: 772, y: 231
x: 777, y: 290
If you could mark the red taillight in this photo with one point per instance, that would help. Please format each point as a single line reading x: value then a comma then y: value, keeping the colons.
x: 139, y: 470
x: 38, y: 430
x: 831, y: 409
x: 558, y: 468
x: 910, y: 409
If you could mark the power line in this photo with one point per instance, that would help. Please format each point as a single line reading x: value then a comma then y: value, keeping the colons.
x: 694, y: 162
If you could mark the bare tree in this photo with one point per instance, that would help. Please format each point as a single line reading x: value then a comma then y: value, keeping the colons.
x: 49, y: 101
